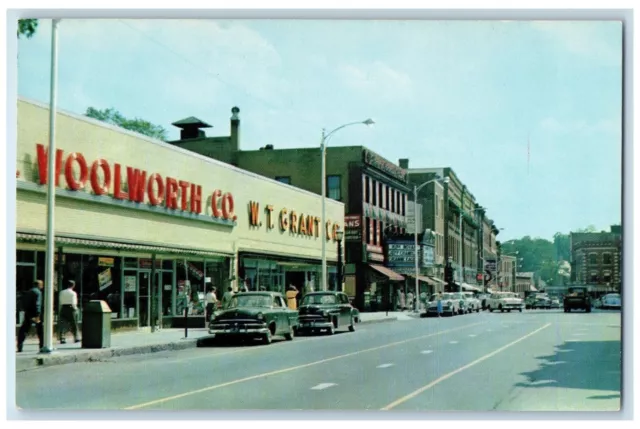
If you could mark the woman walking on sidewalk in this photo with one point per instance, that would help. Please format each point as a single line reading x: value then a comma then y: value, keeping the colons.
x: 439, y: 304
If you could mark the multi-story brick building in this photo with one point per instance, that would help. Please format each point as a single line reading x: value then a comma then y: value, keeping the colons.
x: 506, y: 276
x: 524, y: 283
x: 373, y: 189
x: 596, y: 259
x: 452, y: 210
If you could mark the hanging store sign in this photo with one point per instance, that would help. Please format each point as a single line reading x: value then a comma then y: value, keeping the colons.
x: 292, y: 221
x: 353, y: 228
x: 134, y: 185
x: 401, y: 254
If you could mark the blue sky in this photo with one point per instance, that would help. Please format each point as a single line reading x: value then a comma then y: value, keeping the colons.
x: 467, y: 95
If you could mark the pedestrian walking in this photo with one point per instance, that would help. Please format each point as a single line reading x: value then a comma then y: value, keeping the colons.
x: 32, y: 306
x: 410, y: 301
x: 423, y: 299
x: 292, y: 293
x: 211, y: 301
x: 68, y: 313
x: 440, y: 304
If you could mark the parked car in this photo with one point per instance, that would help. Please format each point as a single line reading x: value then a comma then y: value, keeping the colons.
x: 326, y: 311
x: 611, y: 300
x: 483, y: 297
x: 450, y: 305
x: 541, y: 300
x: 505, y: 301
x: 596, y: 303
x: 255, y: 315
x: 463, y: 305
x: 473, y: 303
x: 577, y: 297
x: 555, y: 302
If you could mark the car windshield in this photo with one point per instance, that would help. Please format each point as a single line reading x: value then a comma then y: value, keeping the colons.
x: 250, y: 301
x: 319, y: 299
x: 457, y: 296
x: 447, y: 296
x: 509, y: 295
x: 576, y: 292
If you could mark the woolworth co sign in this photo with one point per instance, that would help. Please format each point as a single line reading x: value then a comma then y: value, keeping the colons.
x: 103, y: 178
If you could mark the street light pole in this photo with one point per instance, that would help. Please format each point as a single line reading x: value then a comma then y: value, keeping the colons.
x: 339, y: 235
x: 323, y: 155
x: 415, y: 229
x: 47, y: 342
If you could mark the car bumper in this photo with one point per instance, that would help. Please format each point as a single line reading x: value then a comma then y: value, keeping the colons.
x: 238, y: 332
x: 315, y: 324
x: 512, y: 306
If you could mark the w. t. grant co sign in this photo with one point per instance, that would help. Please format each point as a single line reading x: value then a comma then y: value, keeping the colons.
x: 100, y: 180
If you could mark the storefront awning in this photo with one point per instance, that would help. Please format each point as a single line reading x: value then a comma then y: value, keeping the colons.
x: 468, y: 287
x: 437, y: 280
x: 114, y: 245
x: 387, y: 272
x: 424, y: 279
x: 532, y: 288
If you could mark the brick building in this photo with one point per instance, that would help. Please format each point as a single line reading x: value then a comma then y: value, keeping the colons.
x: 444, y: 205
x: 596, y: 259
x: 373, y: 189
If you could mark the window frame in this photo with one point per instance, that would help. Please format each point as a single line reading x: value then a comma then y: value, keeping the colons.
x: 279, y: 179
x: 338, y: 189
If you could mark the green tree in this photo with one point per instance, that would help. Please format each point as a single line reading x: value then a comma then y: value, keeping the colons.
x: 27, y: 27
x: 112, y: 116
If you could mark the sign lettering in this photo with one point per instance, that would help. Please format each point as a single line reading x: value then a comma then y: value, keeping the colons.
x: 289, y: 220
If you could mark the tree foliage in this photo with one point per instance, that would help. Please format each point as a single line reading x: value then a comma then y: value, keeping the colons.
x: 137, y: 125
x: 27, y: 27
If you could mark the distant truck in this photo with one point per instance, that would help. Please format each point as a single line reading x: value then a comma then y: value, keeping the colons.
x: 577, y: 298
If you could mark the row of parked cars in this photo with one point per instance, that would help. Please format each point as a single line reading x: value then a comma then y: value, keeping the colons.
x: 455, y: 303
x: 263, y: 315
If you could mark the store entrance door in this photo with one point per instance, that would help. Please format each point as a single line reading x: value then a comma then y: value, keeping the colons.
x: 144, y: 298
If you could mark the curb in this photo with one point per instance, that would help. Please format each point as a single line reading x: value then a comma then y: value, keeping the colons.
x: 98, y: 355
x: 386, y: 319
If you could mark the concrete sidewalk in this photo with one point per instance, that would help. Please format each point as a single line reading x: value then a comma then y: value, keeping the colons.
x: 143, y: 341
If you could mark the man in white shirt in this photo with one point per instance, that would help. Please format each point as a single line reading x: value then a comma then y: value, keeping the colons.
x: 68, y: 302
x: 211, y: 302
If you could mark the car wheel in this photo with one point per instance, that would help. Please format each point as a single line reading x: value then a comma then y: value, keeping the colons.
x: 588, y: 310
x: 520, y: 310
x: 289, y: 336
x: 330, y: 331
x: 501, y: 309
x: 352, y: 326
x: 508, y: 310
x: 490, y: 310
x: 267, y: 338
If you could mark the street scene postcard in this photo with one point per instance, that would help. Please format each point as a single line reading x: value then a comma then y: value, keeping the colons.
x: 318, y: 215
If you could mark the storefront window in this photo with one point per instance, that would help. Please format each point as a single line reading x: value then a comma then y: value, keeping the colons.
x: 101, y: 281
x: 218, y: 275
x: 190, y: 275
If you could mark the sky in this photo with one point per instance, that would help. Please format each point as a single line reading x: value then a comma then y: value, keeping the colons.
x: 527, y: 114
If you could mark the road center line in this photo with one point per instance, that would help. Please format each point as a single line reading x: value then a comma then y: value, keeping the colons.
x: 323, y: 386
x: 452, y: 373
x: 293, y: 368
x: 385, y: 365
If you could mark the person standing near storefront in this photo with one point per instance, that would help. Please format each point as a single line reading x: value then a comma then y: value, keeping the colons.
x: 439, y: 308
x: 226, y: 298
x: 211, y: 301
x: 32, y: 305
x: 292, y: 293
x: 68, y: 314
x: 410, y: 301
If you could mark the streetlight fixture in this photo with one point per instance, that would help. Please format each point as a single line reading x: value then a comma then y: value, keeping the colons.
x: 339, y: 236
x: 323, y: 150
x: 415, y: 230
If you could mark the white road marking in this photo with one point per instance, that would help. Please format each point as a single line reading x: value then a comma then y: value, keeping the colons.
x: 385, y: 365
x: 426, y: 352
x: 323, y: 386
x: 452, y: 373
x: 453, y: 342
x: 558, y: 362
x: 537, y: 382
x: 472, y: 335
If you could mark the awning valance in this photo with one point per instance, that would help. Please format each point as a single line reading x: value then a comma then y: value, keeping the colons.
x: 437, y: 280
x: 532, y: 288
x: 115, y: 245
x: 392, y: 275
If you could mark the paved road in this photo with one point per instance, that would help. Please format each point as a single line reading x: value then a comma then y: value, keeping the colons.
x: 533, y: 361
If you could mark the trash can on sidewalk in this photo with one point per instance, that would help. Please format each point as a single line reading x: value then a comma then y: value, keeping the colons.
x: 96, y: 325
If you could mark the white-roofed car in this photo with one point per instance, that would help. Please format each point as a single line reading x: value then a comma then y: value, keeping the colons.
x: 450, y: 305
x: 501, y: 301
x: 473, y: 303
x: 611, y: 300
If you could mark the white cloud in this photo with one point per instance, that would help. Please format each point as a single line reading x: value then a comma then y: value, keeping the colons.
x: 592, y: 39
x: 377, y: 79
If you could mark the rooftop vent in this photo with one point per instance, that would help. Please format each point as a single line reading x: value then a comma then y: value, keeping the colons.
x: 191, y: 128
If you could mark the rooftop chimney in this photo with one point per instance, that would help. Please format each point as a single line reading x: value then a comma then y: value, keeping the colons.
x: 404, y: 163
x: 235, y: 128
x: 191, y: 128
